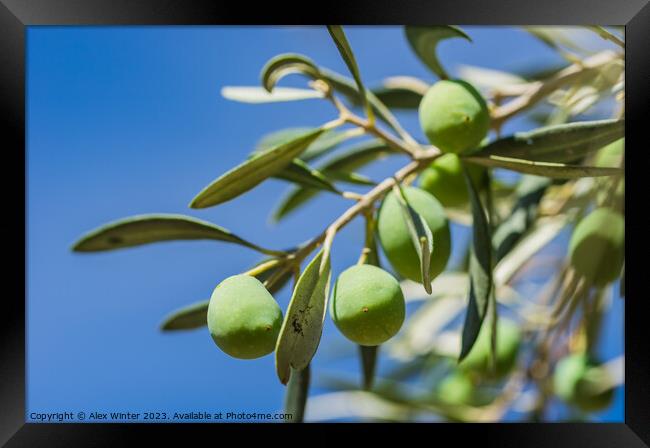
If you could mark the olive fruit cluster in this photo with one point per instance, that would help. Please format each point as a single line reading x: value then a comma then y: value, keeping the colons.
x: 597, y: 246
x: 582, y: 382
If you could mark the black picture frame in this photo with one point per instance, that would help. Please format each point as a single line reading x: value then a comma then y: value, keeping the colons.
x: 16, y: 15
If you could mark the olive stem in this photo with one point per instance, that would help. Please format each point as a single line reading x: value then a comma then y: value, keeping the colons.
x: 263, y: 267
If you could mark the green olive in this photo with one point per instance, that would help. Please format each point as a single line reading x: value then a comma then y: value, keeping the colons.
x: 507, y: 349
x: 597, y: 245
x: 445, y: 180
x: 583, y: 383
x: 456, y: 389
x: 243, y: 318
x: 367, y: 305
x: 396, y: 240
x: 454, y: 116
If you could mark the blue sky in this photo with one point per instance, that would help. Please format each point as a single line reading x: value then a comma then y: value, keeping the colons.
x: 129, y: 120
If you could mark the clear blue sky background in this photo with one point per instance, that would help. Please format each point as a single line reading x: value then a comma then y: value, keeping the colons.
x: 129, y: 120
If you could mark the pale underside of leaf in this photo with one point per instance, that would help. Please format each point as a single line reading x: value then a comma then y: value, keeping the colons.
x: 259, y: 95
x: 253, y: 171
x: 303, y: 323
x: 145, y: 229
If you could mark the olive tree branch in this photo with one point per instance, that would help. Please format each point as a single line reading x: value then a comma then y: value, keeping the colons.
x: 530, y: 94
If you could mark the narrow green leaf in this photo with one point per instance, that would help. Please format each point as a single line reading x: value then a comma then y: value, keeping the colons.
x: 339, y: 168
x: 296, y: 395
x: 421, y: 237
x: 480, y: 270
x: 328, y: 141
x: 145, y: 229
x: 253, y: 171
x: 285, y: 64
x: 556, y: 38
x: 187, y: 318
x: 300, y: 173
x: 341, y: 41
x: 548, y: 169
x: 398, y: 98
x: 368, y: 364
x: 529, y: 192
x: 303, y: 323
x: 259, y: 95
x: 424, y: 42
x: 560, y: 143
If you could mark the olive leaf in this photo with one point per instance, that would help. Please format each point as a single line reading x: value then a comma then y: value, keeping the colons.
x: 258, y: 95
x: 303, y: 323
x: 480, y: 270
x: 285, y: 64
x: 368, y: 356
x: 424, y: 41
x: 421, y: 236
x: 560, y: 143
x: 187, y: 318
x: 341, y: 41
x: 339, y: 168
x: 328, y: 141
x: 548, y: 169
x: 300, y: 173
x: 253, y: 171
x: 529, y: 192
x: 297, y: 392
x: 153, y: 228
x: 398, y: 92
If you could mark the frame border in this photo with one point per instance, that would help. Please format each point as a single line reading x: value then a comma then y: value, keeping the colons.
x: 16, y: 15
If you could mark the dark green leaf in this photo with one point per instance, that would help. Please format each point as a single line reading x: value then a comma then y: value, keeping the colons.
x: 300, y: 173
x: 297, y: 392
x: 480, y: 270
x: 187, y: 318
x: 351, y: 178
x: 340, y: 168
x: 303, y: 323
x: 529, y: 192
x: 253, y: 171
x: 561, y: 143
x: 548, y: 169
x: 145, y: 229
x: 397, y: 98
x: 341, y: 41
x: 421, y: 237
x: 368, y: 364
x: 424, y: 41
x: 259, y: 95
x: 286, y: 64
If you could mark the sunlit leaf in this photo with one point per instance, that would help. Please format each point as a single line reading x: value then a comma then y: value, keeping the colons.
x: 328, y: 141
x: 303, y: 323
x: 253, y: 171
x: 187, y: 318
x: 480, y: 270
x: 401, y: 92
x: 145, y: 229
x: 258, y: 95
x: 424, y: 42
x: 486, y: 78
x: 548, y: 169
x: 560, y: 143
